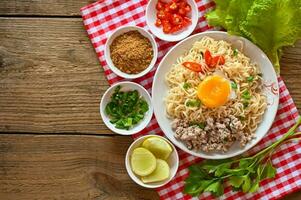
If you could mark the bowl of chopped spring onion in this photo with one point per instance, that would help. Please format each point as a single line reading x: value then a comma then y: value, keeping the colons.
x: 126, y: 108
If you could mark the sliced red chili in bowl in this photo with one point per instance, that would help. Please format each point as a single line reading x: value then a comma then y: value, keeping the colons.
x: 166, y: 26
x: 160, y: 5
x: 176, y: 19
x: 187, y: 8
x: 173, y: 7
x: 176, y: 28
x: 175, y: 12
x: 158, y: 22
x: 182, y: 11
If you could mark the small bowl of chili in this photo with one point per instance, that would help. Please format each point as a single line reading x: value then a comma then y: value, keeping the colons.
x: 171, y: 20
x: 131, y: 52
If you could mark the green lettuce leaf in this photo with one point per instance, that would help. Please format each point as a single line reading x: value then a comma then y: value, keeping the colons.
x: 271, y: 24
x: 236, y: 15
x: 217, y: 16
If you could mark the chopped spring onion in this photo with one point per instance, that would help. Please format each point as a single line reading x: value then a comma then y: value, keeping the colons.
x: 250, y: 78
x: 235, y: 52
x: 186, y: 85
x: 233, y: 85
x: 126, y: 108
x: 193, y: 103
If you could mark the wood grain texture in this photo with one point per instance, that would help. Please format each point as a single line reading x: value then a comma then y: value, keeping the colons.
x: 42, y: 7
x: 291, y: 71
x: 66, y: 167
x: 50, y: 77
x: 69, y: 167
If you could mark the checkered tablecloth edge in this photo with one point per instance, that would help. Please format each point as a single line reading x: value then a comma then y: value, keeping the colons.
x: 103, y: 17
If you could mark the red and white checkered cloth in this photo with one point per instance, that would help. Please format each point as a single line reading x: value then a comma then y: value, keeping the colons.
x: 103, y: 17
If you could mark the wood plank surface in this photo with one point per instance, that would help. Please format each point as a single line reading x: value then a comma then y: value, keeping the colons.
x: 50, y: 77
x: 66, y: 167
x: 42, y: 7
x: 69, y: 167
x: 291, y: 71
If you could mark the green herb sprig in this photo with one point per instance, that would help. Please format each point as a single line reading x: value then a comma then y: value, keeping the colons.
x: 126, y: 108
x: 186, y: 85
x: 244, y: 173
x: 246, y: 95
x: 233, y: 85
x: 250, y: 79
x: 235, y: 52
x: 193, y: 103
x: 201, y: 125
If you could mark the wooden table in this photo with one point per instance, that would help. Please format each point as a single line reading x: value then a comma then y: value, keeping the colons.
x: 53, y: 144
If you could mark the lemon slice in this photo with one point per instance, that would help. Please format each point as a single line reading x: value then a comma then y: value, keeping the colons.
x: 159, y: 147
x: 161, y: 173
x: 143, y: 162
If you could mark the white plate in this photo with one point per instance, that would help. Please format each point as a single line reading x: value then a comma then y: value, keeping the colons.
x: 271, y: 90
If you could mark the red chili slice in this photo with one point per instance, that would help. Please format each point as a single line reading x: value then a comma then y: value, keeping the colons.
x: 193, y: 66
x: 176, y: 28
x: 182, y: 11
x: 166, y: 8
x: 186, y: 21
x: 217, y: 60
x: 158, y: 22
x: 163, y: 15
x: 176, y: 19
x: 182, y: 4
x: 187, y: 8
x: 160, y: 14
x: 208, y: 57
x: 160, y: 5
x: 173, y: 6
x: 166, y: 26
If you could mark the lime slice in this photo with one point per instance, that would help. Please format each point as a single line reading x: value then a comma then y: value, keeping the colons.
x: 161, y: 173
x: 159, y: 147
x: 143, y: 162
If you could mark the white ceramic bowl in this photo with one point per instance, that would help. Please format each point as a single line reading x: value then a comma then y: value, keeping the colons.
x: 126, y: 86
x: 271, y: 90
x: 173, y: 162
x: 120, y: 31
x: 151, y: 16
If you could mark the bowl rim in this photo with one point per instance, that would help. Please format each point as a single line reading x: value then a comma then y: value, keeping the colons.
x: 146, y: 120
x: 168, y: 37
x: 131, y: 173
x: 107, y: 53
x: 194, y: 153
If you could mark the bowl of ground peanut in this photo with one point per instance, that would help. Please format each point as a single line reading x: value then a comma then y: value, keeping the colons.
x: 131, y: 52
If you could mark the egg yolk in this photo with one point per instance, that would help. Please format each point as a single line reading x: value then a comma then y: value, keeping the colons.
x: 214, y: 91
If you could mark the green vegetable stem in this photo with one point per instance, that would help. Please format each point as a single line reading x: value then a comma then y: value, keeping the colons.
x: 193, y: 103
x: 186, y: 85
x: 243, y: 174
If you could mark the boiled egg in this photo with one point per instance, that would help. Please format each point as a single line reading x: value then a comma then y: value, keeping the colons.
x: 214, y: 91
